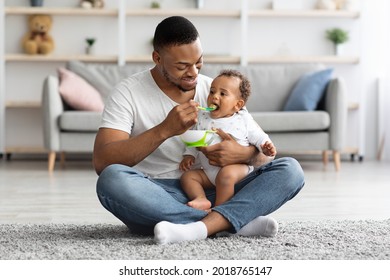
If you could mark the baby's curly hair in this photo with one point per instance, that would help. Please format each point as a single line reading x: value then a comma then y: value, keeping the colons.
x: 245, y: 85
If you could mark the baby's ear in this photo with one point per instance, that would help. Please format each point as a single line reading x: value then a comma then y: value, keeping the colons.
x: 240, y: 103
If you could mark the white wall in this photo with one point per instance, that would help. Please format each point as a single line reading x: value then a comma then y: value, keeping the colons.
x: 374, y: 64
x: 382, y: 108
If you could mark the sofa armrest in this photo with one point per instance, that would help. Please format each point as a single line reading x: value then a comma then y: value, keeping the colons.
x: 336, y: 106
x: 52, y: 108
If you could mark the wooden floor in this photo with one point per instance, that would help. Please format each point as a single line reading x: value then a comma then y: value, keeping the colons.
x: 29, y: 194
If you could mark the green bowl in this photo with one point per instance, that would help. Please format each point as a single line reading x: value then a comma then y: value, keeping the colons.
x: 197, y: 138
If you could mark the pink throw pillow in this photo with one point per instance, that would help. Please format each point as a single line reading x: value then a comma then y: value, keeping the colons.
x: 77, y: 93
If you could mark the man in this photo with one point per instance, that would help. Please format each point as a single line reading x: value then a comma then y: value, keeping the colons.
x: 137, y: 151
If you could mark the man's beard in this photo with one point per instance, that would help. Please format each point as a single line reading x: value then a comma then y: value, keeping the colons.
x: 168, y: 79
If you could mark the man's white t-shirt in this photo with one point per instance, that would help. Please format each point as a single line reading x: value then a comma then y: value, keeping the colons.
x: 137, y: 104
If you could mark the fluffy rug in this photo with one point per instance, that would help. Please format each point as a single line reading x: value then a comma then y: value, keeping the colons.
x: 347, y: 240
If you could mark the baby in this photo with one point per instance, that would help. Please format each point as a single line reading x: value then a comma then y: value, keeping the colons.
x: 229, y: 93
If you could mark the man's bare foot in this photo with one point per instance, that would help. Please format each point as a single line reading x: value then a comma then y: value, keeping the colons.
x: 200, y: 203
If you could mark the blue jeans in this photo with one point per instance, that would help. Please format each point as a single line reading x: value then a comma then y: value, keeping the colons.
x: 141, y: 202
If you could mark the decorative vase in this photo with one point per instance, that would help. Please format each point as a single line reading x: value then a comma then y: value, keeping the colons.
x: 326, y: 5
x: 338, y: 49
x: 350, y: 5
x: 199, y: 4
x: 36, y: 3
x: 89, y: 50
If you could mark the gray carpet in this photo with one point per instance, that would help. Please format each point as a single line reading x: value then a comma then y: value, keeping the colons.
x: 296, y: 240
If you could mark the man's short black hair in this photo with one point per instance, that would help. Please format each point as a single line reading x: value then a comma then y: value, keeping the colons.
x: 174, y: 31
x: 245, y: 85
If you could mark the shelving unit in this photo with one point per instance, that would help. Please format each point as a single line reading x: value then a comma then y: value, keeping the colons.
x: 184, y: 12
x: 305, y: 59
x: 304, y: 14
x: 65, y: 11
x: 121, y: 13
x: 10, y: 106
x: 59, y: 58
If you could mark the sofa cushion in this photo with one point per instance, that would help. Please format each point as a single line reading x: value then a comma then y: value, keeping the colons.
x: 77, y: 93
x: 271, y: 84
x: 292, y: 121
x: 308, y: 91
x: 82, y: 121
x: 104, y: 76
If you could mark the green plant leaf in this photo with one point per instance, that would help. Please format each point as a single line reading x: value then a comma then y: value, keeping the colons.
x: 90, y: 41
x: 337, y: 35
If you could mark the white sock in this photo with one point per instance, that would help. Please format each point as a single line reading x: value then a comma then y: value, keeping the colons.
x: 262, y: 225
x: 166, y: 232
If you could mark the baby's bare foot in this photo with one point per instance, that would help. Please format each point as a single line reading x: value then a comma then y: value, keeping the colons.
x: 200, y: 203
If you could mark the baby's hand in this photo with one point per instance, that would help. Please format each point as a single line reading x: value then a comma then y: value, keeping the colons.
x: 268, y: 149
x: 186, y: 163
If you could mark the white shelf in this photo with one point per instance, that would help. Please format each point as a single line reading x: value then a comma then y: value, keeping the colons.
x: 25, y: 150
x: 23, y: 104
x: 265, y: 59
x: 60, y: 11
x: 139, y: 58
x: 206, y: 59
x: 304, y: 59
x: 221, y: 59
x: 60, y: 58
x: 184, y: 12
x: 304, y: 14
x: 114, y: 12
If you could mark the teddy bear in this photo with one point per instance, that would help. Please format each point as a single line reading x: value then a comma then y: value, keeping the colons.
x: 38, y: 40
x: 87, y: 4
x: 337, y: 4
x: 327, y: 4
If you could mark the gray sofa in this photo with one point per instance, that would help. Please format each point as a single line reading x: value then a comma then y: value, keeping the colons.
x: 319, y: 131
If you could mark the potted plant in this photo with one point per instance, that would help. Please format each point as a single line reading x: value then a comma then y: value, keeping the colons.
x: 337, y: 36
x: 89, y: 48
x: 155, y: 5
x: 36, y: 3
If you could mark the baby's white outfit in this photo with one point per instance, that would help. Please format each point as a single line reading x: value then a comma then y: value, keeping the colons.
x: 241, y: 126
